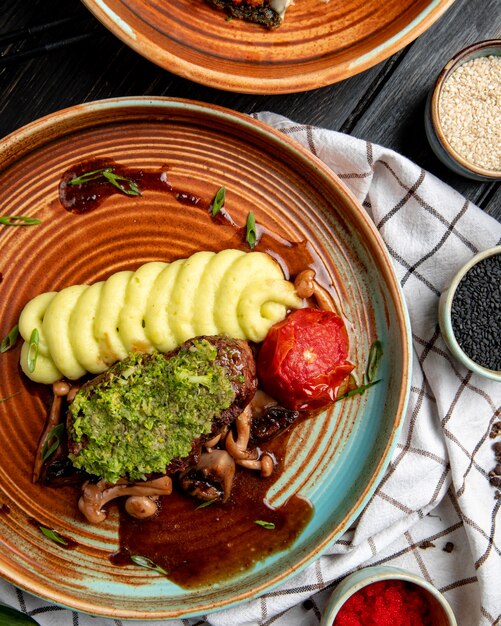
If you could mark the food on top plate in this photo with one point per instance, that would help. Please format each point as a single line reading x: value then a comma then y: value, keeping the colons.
x: 268, y: 13
x: 84, y: 328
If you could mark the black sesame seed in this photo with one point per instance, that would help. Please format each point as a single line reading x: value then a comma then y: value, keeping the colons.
x: 495, y: 430
x: 495, y: 481
x: 476, y: 313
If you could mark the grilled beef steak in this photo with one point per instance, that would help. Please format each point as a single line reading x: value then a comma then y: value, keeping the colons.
x: 150, y: 413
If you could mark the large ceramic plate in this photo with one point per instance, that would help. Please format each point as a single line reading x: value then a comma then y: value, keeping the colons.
x: 320, y: 42
x: 335, y: 460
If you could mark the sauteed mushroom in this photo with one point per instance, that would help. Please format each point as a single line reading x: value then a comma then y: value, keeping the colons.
x: 211, y: 478
x: 307, y: 287
x: 96, y: 495
x: 238, y: 448
x: 265, y: 464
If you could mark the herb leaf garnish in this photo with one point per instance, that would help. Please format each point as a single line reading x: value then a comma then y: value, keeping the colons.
x: 87, y: 177
x: 53, y: 535
x: 205, y: 504
x: 9, y: 341
x: 358, y: 391
x: 132, y: 190
x: 55, y: 436
x: 218, y: 201
x: 19, y: 220
x: 144, y: 561
x: 32, y: 356
x: 130, y: 187
x: 375, y: 355
x: 250, y: 231
x: 265, y: 524
x: 12, y: 395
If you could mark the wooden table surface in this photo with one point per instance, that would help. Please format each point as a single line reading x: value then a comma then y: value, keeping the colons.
x: 75, y: 59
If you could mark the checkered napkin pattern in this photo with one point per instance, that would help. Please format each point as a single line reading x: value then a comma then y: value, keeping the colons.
x: 435, y: 512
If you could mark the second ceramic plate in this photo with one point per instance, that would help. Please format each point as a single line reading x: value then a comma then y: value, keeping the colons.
x: 320, y: 42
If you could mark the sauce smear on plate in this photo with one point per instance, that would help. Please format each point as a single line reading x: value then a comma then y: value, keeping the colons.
x: 204, y: 545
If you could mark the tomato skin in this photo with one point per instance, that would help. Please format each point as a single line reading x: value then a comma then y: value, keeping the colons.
x: 302, y: 360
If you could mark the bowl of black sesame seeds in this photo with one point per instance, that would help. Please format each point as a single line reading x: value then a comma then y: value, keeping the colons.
x: 463, y: 112
x: 470, y: 314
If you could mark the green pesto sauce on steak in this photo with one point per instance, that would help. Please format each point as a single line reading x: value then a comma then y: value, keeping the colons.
x: 147, y: 411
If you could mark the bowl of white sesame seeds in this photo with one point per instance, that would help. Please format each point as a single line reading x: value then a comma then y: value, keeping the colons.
x: 463, y: 112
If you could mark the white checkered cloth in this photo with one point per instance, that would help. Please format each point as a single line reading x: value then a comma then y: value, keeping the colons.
x: 436, y: 491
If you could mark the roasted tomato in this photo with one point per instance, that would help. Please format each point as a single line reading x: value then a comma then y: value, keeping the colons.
x: 302, y: 360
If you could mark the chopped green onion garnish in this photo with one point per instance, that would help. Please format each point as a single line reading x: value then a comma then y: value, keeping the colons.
x: 131, y: 188
x: 264, y: 524
x: 32, y: 356
x: 205, y: 504
x: 55, y: 436
x: 9, y: 341
x: 357, y: 391
x: 250, y: 231
x: 87, y: 177
x: 218, y: 201
x: 53, y: 535
x: 144, y: 561
x: 19, y: 220
x: 375, y: 354
x: 9, y: 397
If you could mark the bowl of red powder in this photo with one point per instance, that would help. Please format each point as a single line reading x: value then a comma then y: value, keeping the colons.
x: 386, y: 596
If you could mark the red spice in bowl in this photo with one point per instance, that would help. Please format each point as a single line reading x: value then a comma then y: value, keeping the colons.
x: 382, y: 595
x: 386, y: 603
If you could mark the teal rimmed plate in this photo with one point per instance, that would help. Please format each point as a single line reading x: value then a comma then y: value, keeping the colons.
x: 335, y: 460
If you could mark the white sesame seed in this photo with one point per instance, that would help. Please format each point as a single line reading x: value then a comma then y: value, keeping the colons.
x: 470, y: 111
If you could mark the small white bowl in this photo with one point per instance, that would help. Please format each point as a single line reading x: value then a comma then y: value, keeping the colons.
x: 445, y: 318
x: 442, y: 614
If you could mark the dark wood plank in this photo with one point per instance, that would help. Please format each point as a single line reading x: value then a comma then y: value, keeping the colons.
x: 491, y: 201
x: 395, y: 117
x: 103, y: 67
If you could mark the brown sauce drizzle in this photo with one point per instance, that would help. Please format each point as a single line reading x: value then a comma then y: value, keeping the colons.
x: 292, y: 256
x: 201, y: 546
x: 90, y: 195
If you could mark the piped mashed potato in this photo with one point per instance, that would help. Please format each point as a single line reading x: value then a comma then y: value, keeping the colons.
x: 86, y: 328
